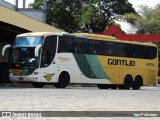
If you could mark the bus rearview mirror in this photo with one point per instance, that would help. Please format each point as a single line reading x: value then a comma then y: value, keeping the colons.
x: 37, y: 50
x: 4, y: 49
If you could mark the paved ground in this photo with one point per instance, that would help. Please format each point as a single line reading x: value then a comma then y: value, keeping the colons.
x: 27, y: 98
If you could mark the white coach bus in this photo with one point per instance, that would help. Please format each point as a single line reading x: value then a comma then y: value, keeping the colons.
x: 60, y: 58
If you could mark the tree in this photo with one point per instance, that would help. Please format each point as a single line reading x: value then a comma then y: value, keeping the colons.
x: 130, y: 17
x: 148, y: 20
x: 83, y: 15
x: 36, y: 5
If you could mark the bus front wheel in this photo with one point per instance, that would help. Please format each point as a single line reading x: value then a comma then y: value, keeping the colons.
x: 38, y: 84
x: 63, y: 81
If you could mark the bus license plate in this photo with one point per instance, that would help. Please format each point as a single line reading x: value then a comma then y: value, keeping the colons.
x: 20, y: 78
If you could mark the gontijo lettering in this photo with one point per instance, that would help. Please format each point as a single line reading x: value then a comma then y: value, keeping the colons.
x: 121, y: 62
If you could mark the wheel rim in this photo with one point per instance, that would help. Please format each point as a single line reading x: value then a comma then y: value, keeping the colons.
x: 62, y: 81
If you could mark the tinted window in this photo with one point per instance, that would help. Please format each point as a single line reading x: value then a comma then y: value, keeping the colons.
x: 152, y: 52
x: 120, y: 49
x: 78, y: 46
x: 65, y: 44
x: 94, y: 47
x: 140, y: 51
x: 84, y: 46
x: 48, y: 50
x: 137, y: 51
x: 128, y: 50
x: 145, y: 52
x: 106, y: 49
x: 97, y: 47
x: 109, y: 48
x: 74, y: 45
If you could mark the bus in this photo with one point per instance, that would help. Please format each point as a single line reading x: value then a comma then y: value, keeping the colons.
x: 61, y: 59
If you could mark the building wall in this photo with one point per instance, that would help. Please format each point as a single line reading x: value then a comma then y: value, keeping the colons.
x: 8, y: 5
x: 20, y: 20
x: 36, y: 14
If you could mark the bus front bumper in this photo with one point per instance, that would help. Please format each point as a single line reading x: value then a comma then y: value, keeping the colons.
x: 29, y: 78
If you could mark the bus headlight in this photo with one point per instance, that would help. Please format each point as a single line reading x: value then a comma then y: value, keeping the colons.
x: 34, y: 78
x: 35, y: 73
x: 11, y: 73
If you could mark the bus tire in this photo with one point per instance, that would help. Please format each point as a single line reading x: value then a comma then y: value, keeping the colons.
x: 102, y: 86
x: 137, y: 83
x: 38, y: 84
x: 63, y: 80
x: 127, y: 82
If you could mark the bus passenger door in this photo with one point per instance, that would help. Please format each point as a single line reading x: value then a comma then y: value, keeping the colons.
x: 47, y: 66
x: 48, y: 74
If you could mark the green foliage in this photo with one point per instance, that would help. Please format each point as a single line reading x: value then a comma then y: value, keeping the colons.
x: 36, y: 5
x: 148, y: 20
x: 130, y: 17
x: 83, y: 15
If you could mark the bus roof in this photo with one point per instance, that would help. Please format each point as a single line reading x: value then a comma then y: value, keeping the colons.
x: 41, y: 34
x: 85, y: 35
x: 89, y: 35
x: 111, y: 38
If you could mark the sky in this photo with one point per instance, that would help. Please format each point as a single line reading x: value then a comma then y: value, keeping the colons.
x: 150, y: 3
x: 20, y: 2
x: 135, y: 3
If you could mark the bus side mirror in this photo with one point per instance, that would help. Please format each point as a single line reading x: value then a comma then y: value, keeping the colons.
x: 37, y: 50
x: 4, y: 49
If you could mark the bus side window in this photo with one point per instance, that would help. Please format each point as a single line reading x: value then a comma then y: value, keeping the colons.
x: 68, y: 46
x: 120, y: 50
x: 97, y: 47
x: 128, y: 50
x: 145, y: 52
x: 106, y: 49
x: 61, y: 44
x: 94, y: 47
x: 138, y: 51
x: 133, y: 54
x: 91, y: 47
x: 65, y: 44
x: 152, y: 52
x: 85, y: 47
x: 77, y: 46
x: 103, y: 51
x: 112, y: 48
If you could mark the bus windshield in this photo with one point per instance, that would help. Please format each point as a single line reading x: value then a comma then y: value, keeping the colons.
x: 24, y: 56
x: 28, y: 41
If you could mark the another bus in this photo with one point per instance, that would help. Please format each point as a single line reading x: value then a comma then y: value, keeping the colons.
x: 61, y: 58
